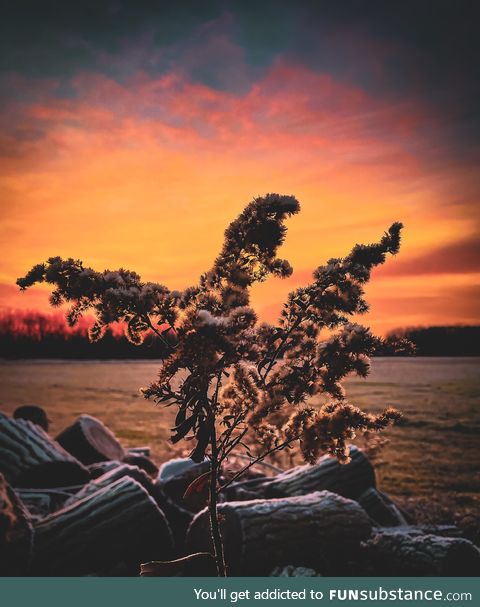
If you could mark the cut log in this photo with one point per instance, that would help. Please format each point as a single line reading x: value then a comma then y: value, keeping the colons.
x: 109, y: 478
x: 42, y: 502
x: 90, y: 441
x: 30, y: 458
x: 173, y: 479
x: 409, y: 520
x: 349, y: 480
x: 37, y: 503
x: 175, y: 467
x: 143, y: 462
x: 178, y: 518
x: 321, y: 530
x: 100, y: 468
x: 407, y: 552
x: 16, y: 533
x: 114, y: 529
x: 175, y: 486
x: 34, y: 414
x: 382, y: 512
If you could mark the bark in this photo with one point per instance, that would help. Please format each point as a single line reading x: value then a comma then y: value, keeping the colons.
x: 178, y: 518
x: 100, y: 468
x: 173, y: 479
x: 16, y: 532
x: 177, y: 467
x: 349, y: 480
x: 321, y: 530
x: 90, y: 441
x: 109, y: 478
x: 114, y: 529
x: 409, y: 552
x: 143, y: 462
x: 42, y: 502
x: 30, y: 458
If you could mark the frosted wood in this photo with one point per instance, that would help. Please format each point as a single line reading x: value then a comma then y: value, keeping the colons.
x: 321, y: 530
x: 109, y: 478
x: 119, y: 525
x: 349, y: 480
x: 90, y: 441
x: 30, y: 458
x: 412, y: 553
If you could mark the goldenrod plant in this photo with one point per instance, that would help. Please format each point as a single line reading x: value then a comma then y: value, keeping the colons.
x: 238, y: 383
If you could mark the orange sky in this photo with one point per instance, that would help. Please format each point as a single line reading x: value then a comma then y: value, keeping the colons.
x: 147, y: 174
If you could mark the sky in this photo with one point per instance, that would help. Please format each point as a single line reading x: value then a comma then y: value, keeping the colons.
x: 132, y: 133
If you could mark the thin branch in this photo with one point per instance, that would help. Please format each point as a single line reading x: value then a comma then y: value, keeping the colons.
x: 237, y: 440
x: 157, y: 332
x: 266, y: 464
x: 234, y: 425
x: 256, y: 460
x: 277, y: 351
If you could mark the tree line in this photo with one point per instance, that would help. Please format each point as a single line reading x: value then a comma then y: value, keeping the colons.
x: 37, y: 335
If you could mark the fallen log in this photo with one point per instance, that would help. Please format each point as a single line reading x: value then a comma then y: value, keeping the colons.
x: 116, y: 528
x: 382, y: 512
x: 30, y: 458
x: 42, y: 502
x: 349, y: 480
x: 100, y: 468
x: 408, y: 552
x: 37, y: 503
x: 90, y: 441
x: 176, y: 467
x: 109, y: 478
x: 178, y: 518
x: 175, y: 486
x: 322, y: 531
x: 16, y: 533
x: 143, y: 462
x: 173, y: 480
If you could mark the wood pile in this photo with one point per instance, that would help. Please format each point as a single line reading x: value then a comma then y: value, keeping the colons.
x: 82, y: 504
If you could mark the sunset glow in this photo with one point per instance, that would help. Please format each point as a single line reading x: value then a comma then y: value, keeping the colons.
x: 146, y: 170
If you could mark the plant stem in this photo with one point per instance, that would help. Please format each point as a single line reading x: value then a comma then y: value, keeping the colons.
x: 212, y: 505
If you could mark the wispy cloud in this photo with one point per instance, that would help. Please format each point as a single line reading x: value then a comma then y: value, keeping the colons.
x: 135, y: 143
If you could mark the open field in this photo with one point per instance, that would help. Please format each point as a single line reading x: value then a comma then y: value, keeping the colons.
x: 432, y: 457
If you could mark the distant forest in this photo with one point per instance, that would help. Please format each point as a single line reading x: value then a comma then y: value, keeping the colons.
x: 37, y: 335
x: 442, y: 341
